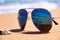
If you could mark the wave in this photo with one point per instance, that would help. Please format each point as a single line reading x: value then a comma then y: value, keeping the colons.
x: 15, y: 7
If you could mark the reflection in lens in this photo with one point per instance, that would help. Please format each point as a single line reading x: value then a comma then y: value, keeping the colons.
x: 22, y: 18
x: 42, y: 19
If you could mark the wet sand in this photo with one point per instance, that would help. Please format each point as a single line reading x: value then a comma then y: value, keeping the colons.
x: 10, y: 22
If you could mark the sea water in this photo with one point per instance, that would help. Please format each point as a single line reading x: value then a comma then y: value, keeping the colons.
x: 12, y: 6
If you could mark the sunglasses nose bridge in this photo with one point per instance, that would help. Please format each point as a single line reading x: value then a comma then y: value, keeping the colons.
x: 29, y: 22
x: 29, y: 15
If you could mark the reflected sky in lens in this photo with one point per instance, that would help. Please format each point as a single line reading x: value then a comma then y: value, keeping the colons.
x: 41, y: 16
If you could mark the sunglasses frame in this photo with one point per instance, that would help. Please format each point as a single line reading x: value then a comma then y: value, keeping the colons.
x: 43, y: 29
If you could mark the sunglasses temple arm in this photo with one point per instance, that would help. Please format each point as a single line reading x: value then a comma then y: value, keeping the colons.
x: 55, y: 22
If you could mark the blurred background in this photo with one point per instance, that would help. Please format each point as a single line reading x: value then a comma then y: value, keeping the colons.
x: 12, y: 6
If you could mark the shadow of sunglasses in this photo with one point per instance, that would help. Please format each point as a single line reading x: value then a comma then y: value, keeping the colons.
x: 41, y: 18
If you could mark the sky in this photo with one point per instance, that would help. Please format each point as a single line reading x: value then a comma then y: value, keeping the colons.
x: 14, y: 5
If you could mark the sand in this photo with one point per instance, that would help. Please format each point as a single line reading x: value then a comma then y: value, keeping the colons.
x: 10, y: 22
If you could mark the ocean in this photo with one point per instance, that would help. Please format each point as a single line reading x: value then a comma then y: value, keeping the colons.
x: 11, y: 6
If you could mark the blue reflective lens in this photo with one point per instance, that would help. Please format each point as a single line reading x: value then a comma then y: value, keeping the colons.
x: 22, y: 15
x: 41, y: 16
x: 42, y: 19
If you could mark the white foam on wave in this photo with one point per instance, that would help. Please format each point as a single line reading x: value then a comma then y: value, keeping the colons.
x: 14, y: 8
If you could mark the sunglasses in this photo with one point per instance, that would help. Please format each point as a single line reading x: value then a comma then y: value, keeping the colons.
x: 41, y: 18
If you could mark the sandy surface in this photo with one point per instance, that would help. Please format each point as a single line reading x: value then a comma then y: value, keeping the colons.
x: 10, y: 22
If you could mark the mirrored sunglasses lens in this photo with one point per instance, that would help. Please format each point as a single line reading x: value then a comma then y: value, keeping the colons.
x: 42, y: 19
x: 22, y: 18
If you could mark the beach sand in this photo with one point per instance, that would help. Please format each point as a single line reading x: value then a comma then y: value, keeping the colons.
x: 10, y: 22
